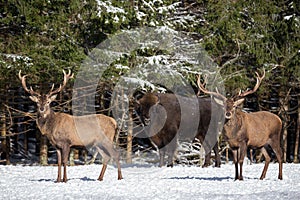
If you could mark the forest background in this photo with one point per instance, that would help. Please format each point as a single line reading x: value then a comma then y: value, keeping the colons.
x: 42, y: 38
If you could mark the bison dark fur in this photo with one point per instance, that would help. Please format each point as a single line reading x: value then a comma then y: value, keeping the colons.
x: 169, y: 117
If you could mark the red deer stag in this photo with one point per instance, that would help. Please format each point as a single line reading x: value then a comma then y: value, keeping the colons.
x: 254, y: 130
x: 62, y: 131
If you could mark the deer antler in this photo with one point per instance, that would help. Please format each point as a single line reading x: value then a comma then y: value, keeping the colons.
x: 203, y: 89
x: 258, y: 82
x: 66, y: 79
x: 23, y: 80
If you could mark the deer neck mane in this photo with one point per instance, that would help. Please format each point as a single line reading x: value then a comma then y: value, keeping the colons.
x: 45, y: 122
x: 236, y: 119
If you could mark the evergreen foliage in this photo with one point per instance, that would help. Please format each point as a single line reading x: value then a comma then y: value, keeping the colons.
x: 42, y: 38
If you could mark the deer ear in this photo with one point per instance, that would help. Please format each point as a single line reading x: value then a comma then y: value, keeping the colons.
x: 34, y: 99
x: 238, y: 102
x: 53, y: 97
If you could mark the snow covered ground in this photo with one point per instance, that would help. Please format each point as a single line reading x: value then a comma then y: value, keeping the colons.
x: 149, y: 182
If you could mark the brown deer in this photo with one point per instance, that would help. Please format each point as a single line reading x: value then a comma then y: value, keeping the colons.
x: 254, y: 130
x: 65, y: 131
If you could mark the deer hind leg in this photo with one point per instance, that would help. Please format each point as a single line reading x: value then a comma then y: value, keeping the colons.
x: 106, y: 158
x: 267, y: 161
x: 277, y: 150
x: 109, y: 150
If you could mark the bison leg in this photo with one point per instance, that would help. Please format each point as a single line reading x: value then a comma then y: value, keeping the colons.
x: 217, y: 155
x: 208, y: 155
x: 207, y: 159
x: 200, y: 138
x: 162, y: 153
x: 267, y: 161
x: 59, y: 165
x: 171, y: 149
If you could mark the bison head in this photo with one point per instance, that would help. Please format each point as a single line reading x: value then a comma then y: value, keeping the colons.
x: 144, y: 106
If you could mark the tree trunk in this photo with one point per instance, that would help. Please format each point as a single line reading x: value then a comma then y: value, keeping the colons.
x: 129, y: 137
x: 74, y: 155
x: 26, y: 143
x: 5, y: 141
x: 71, y: 157
x: 227, y: 154
x: 44, y: 151
x: 296, y: 150
x: 285, y: 133
x: 3, y: 136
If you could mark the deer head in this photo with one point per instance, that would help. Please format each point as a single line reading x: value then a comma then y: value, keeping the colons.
x: 43, y: 101
x: 230, y: 104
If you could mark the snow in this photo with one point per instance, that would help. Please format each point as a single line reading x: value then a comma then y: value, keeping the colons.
x: 147, y: 181
x: 106, y: 6
x: 17, y: 58
x: 288, y: 17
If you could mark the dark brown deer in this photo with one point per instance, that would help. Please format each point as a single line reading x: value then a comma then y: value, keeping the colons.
x: 254, y: 130
x: 65, y: 131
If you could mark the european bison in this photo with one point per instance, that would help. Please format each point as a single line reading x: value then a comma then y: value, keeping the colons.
x: 168, y: 116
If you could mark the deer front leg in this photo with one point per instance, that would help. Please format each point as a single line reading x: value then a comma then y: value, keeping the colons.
x: 235, y: 158
x: 65, y: 158
x: 59, y: 165
x: 241, y: 155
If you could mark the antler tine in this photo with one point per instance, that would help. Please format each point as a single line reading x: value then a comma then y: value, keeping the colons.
x: 23, y: 81
x: 66, y: 78
x: 258, y: 82
x: 203, y: 89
